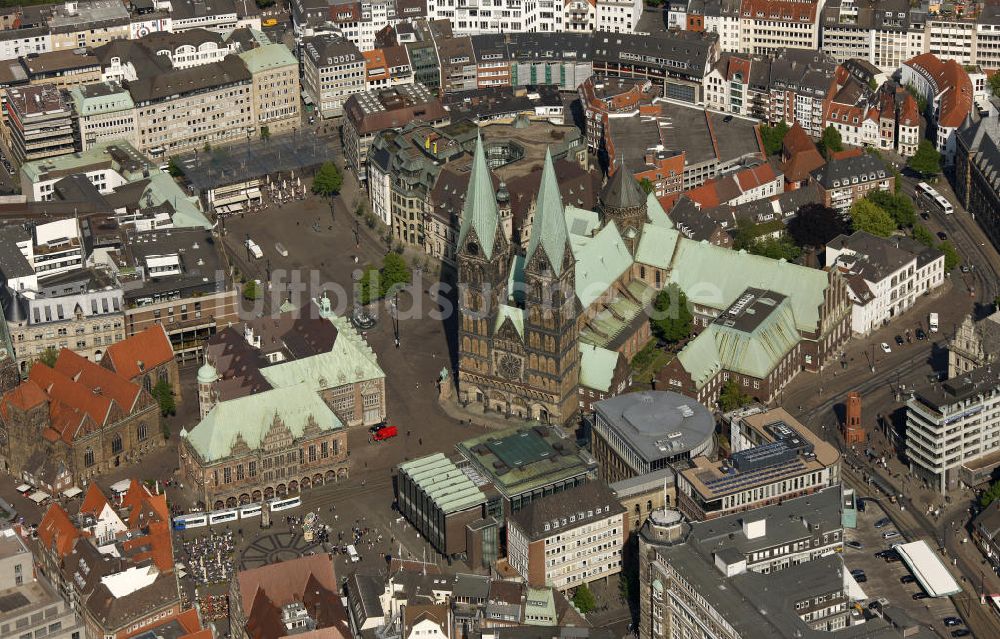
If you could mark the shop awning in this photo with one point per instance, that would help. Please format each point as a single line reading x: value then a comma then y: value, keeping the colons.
x: 121, y: 486
x: 38, y: 496
x: 72, y: 492
x: 254, y: 194
x: 23, y: 488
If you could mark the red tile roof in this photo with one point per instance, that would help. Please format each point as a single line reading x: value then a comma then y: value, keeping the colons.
x: 950, y: 79
x: 780, y: 10
x: 56, y: 530
x: 150, y: 348
x: 755, y: 176
x: 94, y: 501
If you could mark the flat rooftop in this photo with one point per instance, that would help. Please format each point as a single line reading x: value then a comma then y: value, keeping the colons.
x: 705, y: 135
x: 750, y: 310
x: 520, y: 460
x: 785, y: 448
x: 657, y: 424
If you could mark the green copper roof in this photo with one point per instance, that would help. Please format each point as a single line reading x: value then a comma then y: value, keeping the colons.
x: 350, y: 360
x: 549, y: 227
x: 757, y: 353
x: 600, y: 261
x: 597, y: 367
x: 115, y: 99
x: 715, y: 277
x: 252, y: 416
x: 540, y: 607
x: 480, y: 211
x: 268, y: 56
x: 444, y: 483
x: 581, y: 221
x: 657, y: 216
x: 516, y: 316
x: 656, y: 247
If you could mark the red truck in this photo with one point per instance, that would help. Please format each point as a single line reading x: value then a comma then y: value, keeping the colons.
x: 382, y: 433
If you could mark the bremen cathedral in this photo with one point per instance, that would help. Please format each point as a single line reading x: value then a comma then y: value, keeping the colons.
x: 543, y: 323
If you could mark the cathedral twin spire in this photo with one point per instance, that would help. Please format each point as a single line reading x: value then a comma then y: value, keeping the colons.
x: 481, y: 215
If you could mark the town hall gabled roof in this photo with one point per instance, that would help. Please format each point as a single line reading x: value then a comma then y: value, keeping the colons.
x: 480, y: 211
x: 250, y: 418
x: 548, y: 230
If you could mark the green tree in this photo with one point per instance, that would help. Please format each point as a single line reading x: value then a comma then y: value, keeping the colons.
x: 866, y: 216
x: 48, y: 357
x: 900, y: 207
x: 394, y: 273
x: 174, y: 169
x: 368, y: 285
x: 732, y: 397
x: 207, y: 148
x: 773, y: 136
x: 872, y: 84
x: 164, y: 396
x: 995, y: 84
x: 990, y: 495
x: 252, y: 290
x: 672, y: 320
x: 830, y: 142
x: 265, y: 133
x: 583, y: 599
x: 927, y: 160
x: 647, y: 185
x: 922, y: 235
x: 951, y: 258
x: 776, y: 248
x: 328, y: 180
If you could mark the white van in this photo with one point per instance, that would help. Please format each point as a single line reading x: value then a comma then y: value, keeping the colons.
x: 933, y: 322
x: 353, y: 554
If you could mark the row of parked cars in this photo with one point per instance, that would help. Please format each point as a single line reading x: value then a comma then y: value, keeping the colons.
x: 6, y: 163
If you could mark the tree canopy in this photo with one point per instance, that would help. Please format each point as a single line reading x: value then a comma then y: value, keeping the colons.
x: 830, y: 142
x: 951, y: 258
x: 48, y: 357
x: 773, y: 136
x: 815, y: 224
x: 252, y: 290
x: 995, y: 84
x: 866, y: 216
x: 164, y: 396
x: 378, y: 283
x: 990, y: 495
x: 583, y: 599
x: 899, y: 207
x: 328, y: 180
x: 174, y: 169
x: 672, y: 320
x: 922, y: 235
x: 647, y: 185
x: 927, y: 160
x: 732, y: 397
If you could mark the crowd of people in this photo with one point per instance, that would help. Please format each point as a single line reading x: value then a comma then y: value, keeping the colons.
x: 214, y: 607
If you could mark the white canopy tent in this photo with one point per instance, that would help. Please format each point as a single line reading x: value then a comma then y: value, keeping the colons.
x: 39, y: 496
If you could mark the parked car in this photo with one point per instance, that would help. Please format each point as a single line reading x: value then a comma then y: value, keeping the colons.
x: 857, y: 571
x: 889, y: 534
x: 942, y: 235
x: 860, y: 578
x: 857, y: 545
x: 885, y: 348
x: 961, y: 632
x: 919, y: 595
x: 907, y: 579
x: 383, y: 432
x: 952, y: 621
x: 921, y: 334
x: 899, y: 340
x: 882, y: 523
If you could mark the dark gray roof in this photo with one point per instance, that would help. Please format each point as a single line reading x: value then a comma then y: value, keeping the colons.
x: 546, y: 632
x: 15, y: 307
x: 493, y: 102
x: 988, y: 521
x: 326, y: 50
x: 159, y: 40
x: 230, y: 70
x: 957, y: 389
x: 584, y: 499
x: 656, y: 424
x: 835, y: 172
x: 471, y: 586
x: 874, y: 258
x: 12, y: 261
x: 622, y: 190
x: 684, y: 53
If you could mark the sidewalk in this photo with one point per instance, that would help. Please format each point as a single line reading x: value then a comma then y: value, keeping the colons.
x: 493, y: 421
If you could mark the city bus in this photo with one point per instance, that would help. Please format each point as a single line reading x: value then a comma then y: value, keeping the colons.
x: 196, y: 520
x: 285, y: 504
x: 931, y: 194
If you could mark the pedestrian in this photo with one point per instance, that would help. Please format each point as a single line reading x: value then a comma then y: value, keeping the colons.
x: 420, y: 441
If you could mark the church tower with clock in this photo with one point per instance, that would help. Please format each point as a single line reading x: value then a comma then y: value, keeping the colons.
x: 518, y: 326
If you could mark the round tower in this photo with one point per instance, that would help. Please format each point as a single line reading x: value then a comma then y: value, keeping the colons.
x: 623, y: 202
x: 207, y: 376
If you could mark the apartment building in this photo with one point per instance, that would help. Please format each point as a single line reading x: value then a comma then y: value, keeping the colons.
x: 846, y: 180
x: 946, y: 86
x: 768, y: 26
x: 15, y: 43
x: 81, y: 310
x: 39, y: 122
x: 333, y: 71
x: 55, y: 247
x: 884, y: 33
x: 182, y: 109
x: 618, y: 16
x: 789, y: 87
x: 569, y: 539
x: 221, y: 15
x: 103, y: 112
x: 275, y: 88
x: 775, y: 458
x: 33, y: 605
x: 77, y: 24
x: 189, y: 48
x: 885, y: 276
x: 64, y: 69
x: 366, y: 114
x: 954, y: 424
x: 457, y: 63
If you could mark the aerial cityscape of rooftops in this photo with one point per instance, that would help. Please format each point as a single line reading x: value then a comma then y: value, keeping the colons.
x: 519, y: 319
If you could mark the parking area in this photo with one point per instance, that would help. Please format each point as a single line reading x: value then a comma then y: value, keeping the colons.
x: 885, y: 576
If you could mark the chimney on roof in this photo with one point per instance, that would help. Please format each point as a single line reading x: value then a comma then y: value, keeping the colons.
x: 141, y: 365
